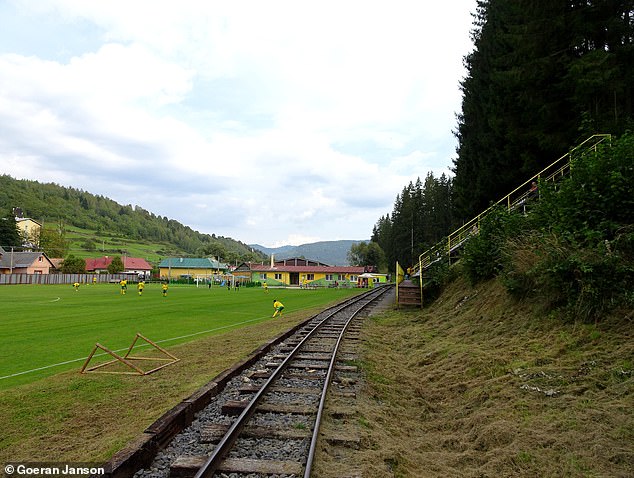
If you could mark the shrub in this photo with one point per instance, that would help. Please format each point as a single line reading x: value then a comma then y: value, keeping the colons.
x: 483, y: 253
x: 575, y: 250
x: 582, y: 282
x: 596, y: 200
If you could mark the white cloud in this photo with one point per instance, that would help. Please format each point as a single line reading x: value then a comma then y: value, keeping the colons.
x: 234, y: 116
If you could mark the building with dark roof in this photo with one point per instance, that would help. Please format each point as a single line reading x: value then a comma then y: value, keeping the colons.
x: 24, y: 262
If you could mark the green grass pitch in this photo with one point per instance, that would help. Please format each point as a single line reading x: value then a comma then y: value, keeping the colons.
x: 45, y: 330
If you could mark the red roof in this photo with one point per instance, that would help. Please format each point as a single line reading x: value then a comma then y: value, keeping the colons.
x: 136, y: 263
x: 129, y: 263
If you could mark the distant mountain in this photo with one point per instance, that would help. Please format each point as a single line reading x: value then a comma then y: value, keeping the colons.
x: 333, y: 253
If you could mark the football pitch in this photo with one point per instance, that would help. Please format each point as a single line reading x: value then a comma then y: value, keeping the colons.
x: 49, y: 329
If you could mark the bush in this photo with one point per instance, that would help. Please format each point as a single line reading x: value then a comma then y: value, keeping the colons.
x: 436, y: 277
x: 582, y: 282
x: 483, y: 253
x: 575, y: 250
x: 596, y: 200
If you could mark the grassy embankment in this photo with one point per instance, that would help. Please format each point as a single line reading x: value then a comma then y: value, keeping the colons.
x: 478, y: 385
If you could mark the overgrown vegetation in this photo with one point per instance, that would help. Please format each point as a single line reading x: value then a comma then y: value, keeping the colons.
x: 573, y: 250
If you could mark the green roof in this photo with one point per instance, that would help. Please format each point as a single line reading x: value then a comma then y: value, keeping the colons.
x: 191, y: 263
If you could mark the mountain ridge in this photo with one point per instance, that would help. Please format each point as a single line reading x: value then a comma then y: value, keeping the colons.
x: 333, y: 253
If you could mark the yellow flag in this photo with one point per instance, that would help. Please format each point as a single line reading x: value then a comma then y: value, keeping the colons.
x: 400, y: 274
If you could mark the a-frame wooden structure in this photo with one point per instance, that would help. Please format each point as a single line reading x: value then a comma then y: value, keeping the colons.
x: 129, y: 360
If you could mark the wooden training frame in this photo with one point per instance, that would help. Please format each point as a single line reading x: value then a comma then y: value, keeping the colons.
x: 128, y: 360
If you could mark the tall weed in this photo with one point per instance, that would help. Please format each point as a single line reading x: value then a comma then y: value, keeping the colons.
x: 582, y: 282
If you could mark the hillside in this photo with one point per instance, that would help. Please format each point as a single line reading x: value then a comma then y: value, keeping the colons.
x: 91, y: 222
x: 333, y: 253
x: 481, y: 385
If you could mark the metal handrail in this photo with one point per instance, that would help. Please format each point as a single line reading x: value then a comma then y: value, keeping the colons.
x: 556, y: 170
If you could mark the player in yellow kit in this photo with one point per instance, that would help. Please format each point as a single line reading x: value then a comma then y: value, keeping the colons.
x: 278, y: 306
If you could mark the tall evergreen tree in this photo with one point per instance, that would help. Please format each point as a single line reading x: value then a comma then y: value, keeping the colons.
x: 9, y: 232
x: 420, y: 218
x: 544, y: 74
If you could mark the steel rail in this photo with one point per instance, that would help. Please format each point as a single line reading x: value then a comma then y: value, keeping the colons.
x: 322, y: 401
x: 224, y: 446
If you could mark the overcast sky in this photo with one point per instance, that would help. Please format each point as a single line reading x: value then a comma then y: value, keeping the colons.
x: 270, y: 122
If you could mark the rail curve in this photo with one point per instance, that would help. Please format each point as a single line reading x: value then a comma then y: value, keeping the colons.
x: 266, y: 419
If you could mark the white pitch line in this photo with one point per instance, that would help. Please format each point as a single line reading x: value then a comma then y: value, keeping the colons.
x: 121, y: 350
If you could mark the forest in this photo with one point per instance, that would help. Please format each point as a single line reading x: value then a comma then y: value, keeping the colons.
x: 543, y: 76
x: 57, y: 207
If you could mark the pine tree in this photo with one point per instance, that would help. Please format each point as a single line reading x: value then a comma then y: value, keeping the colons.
x: 544, y: 75
x: 9, y: 232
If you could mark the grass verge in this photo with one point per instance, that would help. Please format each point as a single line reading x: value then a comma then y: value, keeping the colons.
x: 480, y: 386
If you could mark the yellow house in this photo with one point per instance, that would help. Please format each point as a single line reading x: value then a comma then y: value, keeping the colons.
x: 300, y: 272
x: 173, y: 268
x: 30, y: 230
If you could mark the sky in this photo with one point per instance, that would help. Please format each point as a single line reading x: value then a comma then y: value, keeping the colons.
x: 270, y: 122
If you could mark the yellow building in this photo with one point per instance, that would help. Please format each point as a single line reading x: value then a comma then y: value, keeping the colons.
x: 173, y: 268
x: 30, y: 231
x: 300, y: 272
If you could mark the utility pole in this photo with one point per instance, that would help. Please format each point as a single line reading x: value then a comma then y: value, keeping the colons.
x: 412, y: 239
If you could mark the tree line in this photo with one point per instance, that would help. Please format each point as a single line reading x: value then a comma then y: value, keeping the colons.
x: 56, y: 206
x: 543, y: 76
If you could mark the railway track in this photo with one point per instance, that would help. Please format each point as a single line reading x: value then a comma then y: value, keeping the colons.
x: 266, y: 419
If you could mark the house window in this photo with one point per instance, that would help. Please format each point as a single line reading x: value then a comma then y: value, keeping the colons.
x: 342, y: 277
x: 40, y: 259
x: 310, y: 276
x: 329, y: 276
x: 263, y: 276
x: 278, y: 276
x: 353, y: 278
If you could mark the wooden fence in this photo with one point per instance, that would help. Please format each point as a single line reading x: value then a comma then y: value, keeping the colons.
x: 48, y: 279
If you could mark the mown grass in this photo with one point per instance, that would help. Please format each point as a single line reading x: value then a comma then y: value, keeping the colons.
x: 43, y: 326
x: 67, y: 416
x: 478, y: 385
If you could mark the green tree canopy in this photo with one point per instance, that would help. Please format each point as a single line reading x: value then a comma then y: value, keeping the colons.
x: 9, y: 232
x: 544, y: 75
x: 422, y: 215
x: 73, y: 265
x: 116, y: 265
x: 367, y: 254
x: 53, y: 241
